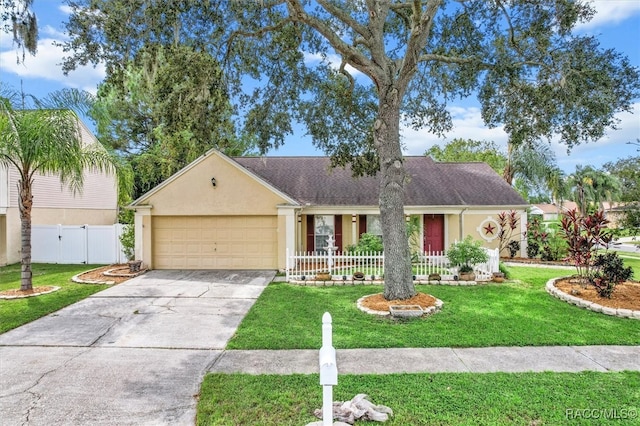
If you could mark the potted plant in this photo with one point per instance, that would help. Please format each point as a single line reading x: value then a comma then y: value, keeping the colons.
x: 465, y: 254
x: 358, y: 276
x: 323, y: 276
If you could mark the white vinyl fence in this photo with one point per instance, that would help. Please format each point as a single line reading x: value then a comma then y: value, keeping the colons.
x: 339, y: 265
x: 90, y: 244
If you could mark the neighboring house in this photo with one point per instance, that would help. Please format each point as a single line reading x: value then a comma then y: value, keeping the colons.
x: 615, y: 212
x: 247, y: 212
x: 552, y: 212
x: 54, y: 203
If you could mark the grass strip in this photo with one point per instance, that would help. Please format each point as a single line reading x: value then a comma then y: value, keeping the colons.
x: 16, y: 312
x: 587, y: 398
x: 519, y: 313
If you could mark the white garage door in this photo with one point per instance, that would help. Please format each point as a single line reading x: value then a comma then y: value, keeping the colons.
x: 215, y: 242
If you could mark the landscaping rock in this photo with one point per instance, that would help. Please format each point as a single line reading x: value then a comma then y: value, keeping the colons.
x: 358, y: 408
x: 625, y: 313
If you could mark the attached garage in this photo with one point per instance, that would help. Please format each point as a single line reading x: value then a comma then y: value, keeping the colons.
x: 215, y: 242
x: 255, y: 212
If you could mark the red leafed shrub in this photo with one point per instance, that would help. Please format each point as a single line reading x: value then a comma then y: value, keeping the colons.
x: 584, y: 235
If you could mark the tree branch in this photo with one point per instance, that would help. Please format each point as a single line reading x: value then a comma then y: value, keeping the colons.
x: 350, y: 54
x: 344, y: 17
x: 421, y: 24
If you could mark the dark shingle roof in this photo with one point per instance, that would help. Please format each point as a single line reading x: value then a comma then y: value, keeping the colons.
x: 311, y: 180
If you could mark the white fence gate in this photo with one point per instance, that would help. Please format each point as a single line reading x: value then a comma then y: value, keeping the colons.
x: 91, y: 244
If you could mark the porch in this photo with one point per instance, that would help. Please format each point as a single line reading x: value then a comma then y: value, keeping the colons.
x: 341, y: 266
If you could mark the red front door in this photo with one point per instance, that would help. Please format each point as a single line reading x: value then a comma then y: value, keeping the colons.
x: 433, y: 232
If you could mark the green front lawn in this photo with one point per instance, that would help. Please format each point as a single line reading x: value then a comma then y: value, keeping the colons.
x: 429, y: 399
x: 16, y: 312
x: 517, y: 313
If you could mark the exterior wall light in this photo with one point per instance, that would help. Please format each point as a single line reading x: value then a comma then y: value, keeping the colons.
x: 213, y: 181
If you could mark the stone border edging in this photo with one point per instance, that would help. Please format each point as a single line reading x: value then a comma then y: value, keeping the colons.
x: 23, y: 296
x: 110, y: 273
x: 587, y: 304
x: 312, y: 283
x: 430, y: 310
x: 76, y: 278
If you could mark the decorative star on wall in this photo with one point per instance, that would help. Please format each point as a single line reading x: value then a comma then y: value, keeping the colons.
x: 488, y: 229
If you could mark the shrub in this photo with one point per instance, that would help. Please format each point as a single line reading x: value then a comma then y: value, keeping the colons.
x: 555, y: 248
x: 533, y: 249
x: 584, y: 235
x: 609, y: 272
x: 127, y: 239
x: 513, y: 246
x: 467, y: 253
x: 536, y: 237
x: 504, y: 270
x: 368, y: 243
x: 508, y: 224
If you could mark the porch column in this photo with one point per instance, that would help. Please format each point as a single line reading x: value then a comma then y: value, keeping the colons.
x: 299, y: 232
x: 286, y: 239
x: 354, y: 229
x: 142, y: 234
x: 461, y: 224
x: 523, y: 231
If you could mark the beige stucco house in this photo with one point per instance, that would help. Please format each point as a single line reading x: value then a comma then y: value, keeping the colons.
x: 248, y: 212
x: 55, y: 204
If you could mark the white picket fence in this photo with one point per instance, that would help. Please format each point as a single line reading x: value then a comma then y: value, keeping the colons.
x: 90, y: 244
x: 306, y: 265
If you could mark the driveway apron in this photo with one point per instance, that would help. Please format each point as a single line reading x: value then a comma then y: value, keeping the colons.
x: 135, y: 353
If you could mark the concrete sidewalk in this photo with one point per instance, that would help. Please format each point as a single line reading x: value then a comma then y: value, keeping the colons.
x: 436, y: 360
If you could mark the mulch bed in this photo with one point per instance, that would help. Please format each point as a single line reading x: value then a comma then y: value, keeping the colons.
x: 377, y: 302
x: 625, y: 295
x: 117, y: 274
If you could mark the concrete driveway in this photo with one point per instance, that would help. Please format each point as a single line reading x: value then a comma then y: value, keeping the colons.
x: 135, y: 353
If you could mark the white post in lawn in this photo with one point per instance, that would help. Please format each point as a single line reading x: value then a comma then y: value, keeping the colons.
x: 328, y: 370
x: 331, y: 247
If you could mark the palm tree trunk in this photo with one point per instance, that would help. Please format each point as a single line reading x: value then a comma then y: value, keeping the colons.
x: 25, y: 202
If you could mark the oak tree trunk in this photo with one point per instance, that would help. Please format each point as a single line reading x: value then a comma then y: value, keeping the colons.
x: 398, y: 281
x: 25, y: 202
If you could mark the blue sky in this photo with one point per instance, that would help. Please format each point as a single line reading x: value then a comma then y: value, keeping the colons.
x: 616, y: 24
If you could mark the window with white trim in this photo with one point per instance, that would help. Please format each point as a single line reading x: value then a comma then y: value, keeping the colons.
x: 374, y: 226
x: 323, y: 227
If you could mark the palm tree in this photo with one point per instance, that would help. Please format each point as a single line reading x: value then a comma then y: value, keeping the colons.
x: 606, y: 187
x: 532, y: 161
x: 591, y: 186
x: 557, y: 184
x: 43, y: 140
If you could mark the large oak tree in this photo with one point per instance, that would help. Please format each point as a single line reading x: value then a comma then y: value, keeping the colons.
x: 397, y: 62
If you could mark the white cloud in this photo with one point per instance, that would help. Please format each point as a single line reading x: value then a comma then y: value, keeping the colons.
x: 613, y: 146
x: 333, y: 60
x: 611, y: 12
x: 46, y: 64
x: 468, y: 124
x: 65, y: 9
x: 52, y: 33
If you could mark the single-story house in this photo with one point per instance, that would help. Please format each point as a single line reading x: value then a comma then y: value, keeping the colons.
x: 615, y: 212
x: 54, y: 203
x: 249, y: 212
x: 553, y: 211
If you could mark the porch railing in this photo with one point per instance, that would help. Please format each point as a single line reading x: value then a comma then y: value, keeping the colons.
x: 342, y: 265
